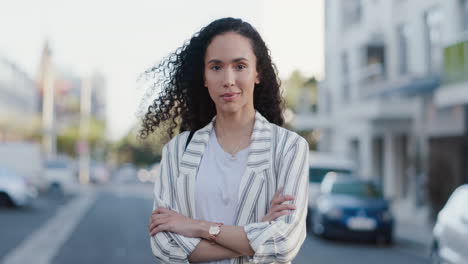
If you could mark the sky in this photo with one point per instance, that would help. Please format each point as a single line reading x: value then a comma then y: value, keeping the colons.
x: 121, y: 39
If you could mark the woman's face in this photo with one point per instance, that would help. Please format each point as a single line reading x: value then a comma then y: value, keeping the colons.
x: 230, y: 72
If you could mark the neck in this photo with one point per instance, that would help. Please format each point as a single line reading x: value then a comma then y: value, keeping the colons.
x: 235, y: 124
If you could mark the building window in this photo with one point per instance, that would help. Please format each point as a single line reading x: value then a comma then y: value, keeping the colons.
x: 433, y: 25
x: 345, y: 75
x: 352, y: 12
x: 403, y: 36
x: 375, y: 62
x: 464, y: 14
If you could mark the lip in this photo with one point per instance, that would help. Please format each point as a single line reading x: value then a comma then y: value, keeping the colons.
x: 229, y: 97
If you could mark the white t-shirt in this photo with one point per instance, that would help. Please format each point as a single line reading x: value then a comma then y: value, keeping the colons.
x: 217, y: 184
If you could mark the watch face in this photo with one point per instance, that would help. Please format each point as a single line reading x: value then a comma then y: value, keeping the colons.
x: 214, y: 230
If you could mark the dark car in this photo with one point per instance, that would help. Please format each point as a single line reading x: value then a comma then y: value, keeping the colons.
x: 450, y: 244
x: 352, y: 208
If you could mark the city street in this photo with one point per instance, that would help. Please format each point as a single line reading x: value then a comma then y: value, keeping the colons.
x: 109, y: 225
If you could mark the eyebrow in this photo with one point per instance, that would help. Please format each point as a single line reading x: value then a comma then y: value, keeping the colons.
x: 216, y: 61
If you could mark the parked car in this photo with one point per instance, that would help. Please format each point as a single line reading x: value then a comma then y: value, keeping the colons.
x: 450, y: 234
x: 14, y: 155
x: 127, y: 173
x: 352, y: 208
x: 320, y: 164
x: 15, y: 190
x: 99, y: 173
x: 60, y: 176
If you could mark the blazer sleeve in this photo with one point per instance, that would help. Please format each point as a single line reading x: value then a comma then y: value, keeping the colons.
x: 169, y: 247
x: 279, y: 241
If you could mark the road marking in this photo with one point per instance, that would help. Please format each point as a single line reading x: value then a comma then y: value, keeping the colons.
x: 43, y: 244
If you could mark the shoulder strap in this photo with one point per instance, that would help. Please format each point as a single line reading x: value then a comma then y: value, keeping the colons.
x: 189, y: 138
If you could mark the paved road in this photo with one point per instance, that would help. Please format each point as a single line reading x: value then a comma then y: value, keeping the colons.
x: 108, y: 225
x: 18, y: 223
x: 316, y: 250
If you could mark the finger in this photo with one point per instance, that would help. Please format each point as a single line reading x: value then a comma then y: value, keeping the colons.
x: 282, y: 207
x: 161, y: 210
x: 160, y: 228
x: 159, y: 216
x: 157, y: 223
x: 151, y: 226
x: 277, y: 193
x: 282, y: 199
x: 266, y: 217
x: 154, y: 231
x: 279, y: 214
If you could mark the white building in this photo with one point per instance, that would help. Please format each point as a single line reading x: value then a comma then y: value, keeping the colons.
x: 18, y: 101
x: 384, y: 63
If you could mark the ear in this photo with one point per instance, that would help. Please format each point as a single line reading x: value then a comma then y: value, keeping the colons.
x: 257, y: 79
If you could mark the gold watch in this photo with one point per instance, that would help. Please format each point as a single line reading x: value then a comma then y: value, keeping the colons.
x: 214, y: 231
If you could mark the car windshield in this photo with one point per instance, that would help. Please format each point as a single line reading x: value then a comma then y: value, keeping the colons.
x: 56, y: 165
x: 356, y: 188
x: 316, y: 175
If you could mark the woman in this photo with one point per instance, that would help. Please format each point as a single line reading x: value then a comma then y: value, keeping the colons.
x: 235, y: 192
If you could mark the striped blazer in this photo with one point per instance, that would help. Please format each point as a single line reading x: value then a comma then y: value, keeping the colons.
x: 277, y: 157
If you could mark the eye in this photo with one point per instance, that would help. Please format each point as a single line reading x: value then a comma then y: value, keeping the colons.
x: 240, y: 66
x: 215, y: 68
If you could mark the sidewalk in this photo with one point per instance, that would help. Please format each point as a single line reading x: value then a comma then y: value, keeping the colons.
x: 412, y: 225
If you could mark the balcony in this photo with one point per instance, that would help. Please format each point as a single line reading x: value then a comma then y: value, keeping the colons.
x: 372, y: 83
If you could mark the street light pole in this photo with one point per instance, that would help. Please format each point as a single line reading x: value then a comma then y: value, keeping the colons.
x: 48, y: 109
x: 83, y: 144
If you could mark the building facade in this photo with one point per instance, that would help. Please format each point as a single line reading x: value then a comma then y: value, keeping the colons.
x: 381, y: 102
x: 18, y: 102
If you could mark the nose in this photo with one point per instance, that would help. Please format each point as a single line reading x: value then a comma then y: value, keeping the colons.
x: 229, y: 78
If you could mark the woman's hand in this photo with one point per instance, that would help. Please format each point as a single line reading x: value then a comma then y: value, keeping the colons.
x: 278, y: 209
x: 163, y: 219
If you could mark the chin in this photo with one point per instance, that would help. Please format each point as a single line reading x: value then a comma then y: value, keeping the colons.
x: 230, y: 108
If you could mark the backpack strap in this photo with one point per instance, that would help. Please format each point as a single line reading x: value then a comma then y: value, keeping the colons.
x: 189, y: 138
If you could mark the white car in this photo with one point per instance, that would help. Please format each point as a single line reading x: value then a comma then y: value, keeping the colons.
x: 127, y: 173
x: 15, y: 155
x: 99, y: 173
x: 59, y: 176
x: 320, y: 164
x: 450, y: 235
x: 15, y: 190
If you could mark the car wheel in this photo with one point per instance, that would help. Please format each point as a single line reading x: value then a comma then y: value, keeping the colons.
x: 389, y: 239
x: 317, y: 227
x: 435, y: 256
x: 56, y: 189
x: 309, y: 219
x: 384, y: 239
x: 5, y: 200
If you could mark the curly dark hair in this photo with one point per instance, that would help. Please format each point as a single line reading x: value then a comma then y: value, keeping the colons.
x: 184, y: 99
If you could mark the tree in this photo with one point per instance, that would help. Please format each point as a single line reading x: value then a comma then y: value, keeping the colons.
x: 67, y: 139
x: 300, y: 92
x: 138, y: 151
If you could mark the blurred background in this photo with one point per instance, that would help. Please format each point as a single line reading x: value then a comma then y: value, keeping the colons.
x: 378, y: 88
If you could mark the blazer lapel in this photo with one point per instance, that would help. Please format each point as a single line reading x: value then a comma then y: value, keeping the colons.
x: 251, y: 182
x: 189, y: 164
x: 253, y: 178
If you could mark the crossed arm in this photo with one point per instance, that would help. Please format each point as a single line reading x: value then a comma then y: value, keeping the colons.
x: 176, y: 238
x: 230, y: 243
